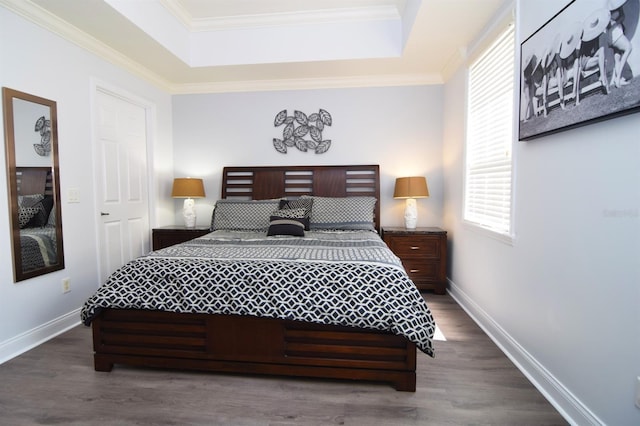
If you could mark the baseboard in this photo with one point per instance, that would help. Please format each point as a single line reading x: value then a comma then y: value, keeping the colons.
x: 572, y: 409
x: 22, y: 343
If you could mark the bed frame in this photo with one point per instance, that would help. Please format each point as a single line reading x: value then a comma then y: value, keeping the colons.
x: 251, y: 345
x: 34, y: 180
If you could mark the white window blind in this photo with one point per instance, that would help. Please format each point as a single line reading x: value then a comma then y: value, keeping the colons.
x: 490, y: 136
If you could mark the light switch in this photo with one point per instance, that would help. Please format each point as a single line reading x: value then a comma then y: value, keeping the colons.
x: 73, y: 195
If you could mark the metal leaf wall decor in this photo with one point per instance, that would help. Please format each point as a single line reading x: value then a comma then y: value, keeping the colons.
x: 44, y: 127
x: 294, y: 136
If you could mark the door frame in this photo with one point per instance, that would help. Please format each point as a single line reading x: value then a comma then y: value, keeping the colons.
x: 98, y: 85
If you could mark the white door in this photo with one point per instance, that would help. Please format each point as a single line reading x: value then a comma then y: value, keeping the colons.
x: 121, y: 181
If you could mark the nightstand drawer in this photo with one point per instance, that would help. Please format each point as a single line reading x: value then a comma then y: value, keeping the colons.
x: 421, y: 271
x: 423, y: 252
x: 423, y: 246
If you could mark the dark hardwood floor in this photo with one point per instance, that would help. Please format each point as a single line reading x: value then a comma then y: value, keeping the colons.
x: 470, y: 382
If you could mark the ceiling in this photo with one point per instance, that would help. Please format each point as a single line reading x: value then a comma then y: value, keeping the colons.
x: 197, y: 46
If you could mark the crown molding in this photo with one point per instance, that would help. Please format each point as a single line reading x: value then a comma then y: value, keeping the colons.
x: 466, y: 55
x: 307, y: 84
x: 50, y: 22
x: 331, y: 16
x: 43, y: 18
x: 456, y: 60
x: 178, y: 11
x: 279, y: 19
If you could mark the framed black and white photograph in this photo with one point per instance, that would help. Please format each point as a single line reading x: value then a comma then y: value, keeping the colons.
x: 581, y: 67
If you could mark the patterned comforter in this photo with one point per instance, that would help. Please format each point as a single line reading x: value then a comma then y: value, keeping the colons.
x: 38, y: 246
x: 340, y: 278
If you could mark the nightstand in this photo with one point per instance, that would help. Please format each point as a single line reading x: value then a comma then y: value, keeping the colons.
x: 423, y: 252
x: 169, y: 235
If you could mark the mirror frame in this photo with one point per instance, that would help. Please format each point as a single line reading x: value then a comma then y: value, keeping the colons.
x: 8, y: 96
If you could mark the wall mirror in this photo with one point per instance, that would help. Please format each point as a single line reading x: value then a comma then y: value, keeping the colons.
x: 31, y: 144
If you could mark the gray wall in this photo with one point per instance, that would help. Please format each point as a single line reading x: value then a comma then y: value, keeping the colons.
x: 399, y: 128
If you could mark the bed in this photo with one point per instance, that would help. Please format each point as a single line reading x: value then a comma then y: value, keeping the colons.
x: 38, y: 238
x: 333, y: 302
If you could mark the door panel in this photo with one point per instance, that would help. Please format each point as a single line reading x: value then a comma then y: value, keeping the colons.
x: 121, y: 181
x: 137, y: 232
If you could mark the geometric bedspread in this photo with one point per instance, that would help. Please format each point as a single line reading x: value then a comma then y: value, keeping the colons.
x: 38, y: 247
x: 348, y: 278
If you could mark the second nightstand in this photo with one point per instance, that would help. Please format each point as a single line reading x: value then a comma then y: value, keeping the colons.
x: 423, y: 252
x: 169, y: 235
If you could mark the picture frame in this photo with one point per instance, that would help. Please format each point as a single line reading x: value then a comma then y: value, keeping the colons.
x: 582, y: 66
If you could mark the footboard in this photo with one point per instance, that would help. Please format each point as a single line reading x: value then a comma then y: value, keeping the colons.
x: 250, y: 345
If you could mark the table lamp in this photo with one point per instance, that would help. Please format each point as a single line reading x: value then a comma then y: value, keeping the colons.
x: 188, y: 188
x: 411, y: 188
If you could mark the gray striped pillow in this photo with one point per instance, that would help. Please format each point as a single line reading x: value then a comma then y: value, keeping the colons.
x: 343, y: 213
x: 243, y: 215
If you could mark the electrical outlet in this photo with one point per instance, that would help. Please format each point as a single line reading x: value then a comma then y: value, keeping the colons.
x: 638, y: 391
x: 66, y: 285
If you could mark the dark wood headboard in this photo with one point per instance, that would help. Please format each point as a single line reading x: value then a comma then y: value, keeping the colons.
x: 34, y: 180
x: 260, y: 183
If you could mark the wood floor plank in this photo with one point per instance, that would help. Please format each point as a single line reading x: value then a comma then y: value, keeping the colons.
x: 469, y: 382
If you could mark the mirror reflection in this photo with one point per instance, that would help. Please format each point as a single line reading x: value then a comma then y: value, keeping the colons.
x: 30, y: 124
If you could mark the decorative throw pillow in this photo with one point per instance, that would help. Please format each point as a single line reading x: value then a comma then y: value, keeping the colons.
x: 40, y: 219
x: 342, y: 213
x: 243, y: 215
x: 28, y: 207
x: 301, y: 203
x: 288, y: 222
x: 52, y: 218
x: 29, y: 200
x: 25, y: 214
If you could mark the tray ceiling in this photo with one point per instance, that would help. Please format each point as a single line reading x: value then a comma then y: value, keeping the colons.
x: 190, y: 46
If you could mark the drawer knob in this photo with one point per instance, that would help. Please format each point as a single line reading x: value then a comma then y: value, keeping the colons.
x: 415, y: 247
x: 413, y: 271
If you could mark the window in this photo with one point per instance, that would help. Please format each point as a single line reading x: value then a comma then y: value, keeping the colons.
x: 490, y: 109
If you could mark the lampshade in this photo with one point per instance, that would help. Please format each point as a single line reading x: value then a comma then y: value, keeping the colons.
x: 411, y: 187
x: 187, y: 188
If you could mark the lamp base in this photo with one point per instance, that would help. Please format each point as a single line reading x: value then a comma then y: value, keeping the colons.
x: 189, y: 213
x: 410, y: 214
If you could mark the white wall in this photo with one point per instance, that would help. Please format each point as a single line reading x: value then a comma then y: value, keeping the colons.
x: 564, y: 299
x: 399, y: 128
x: 35, y: 61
